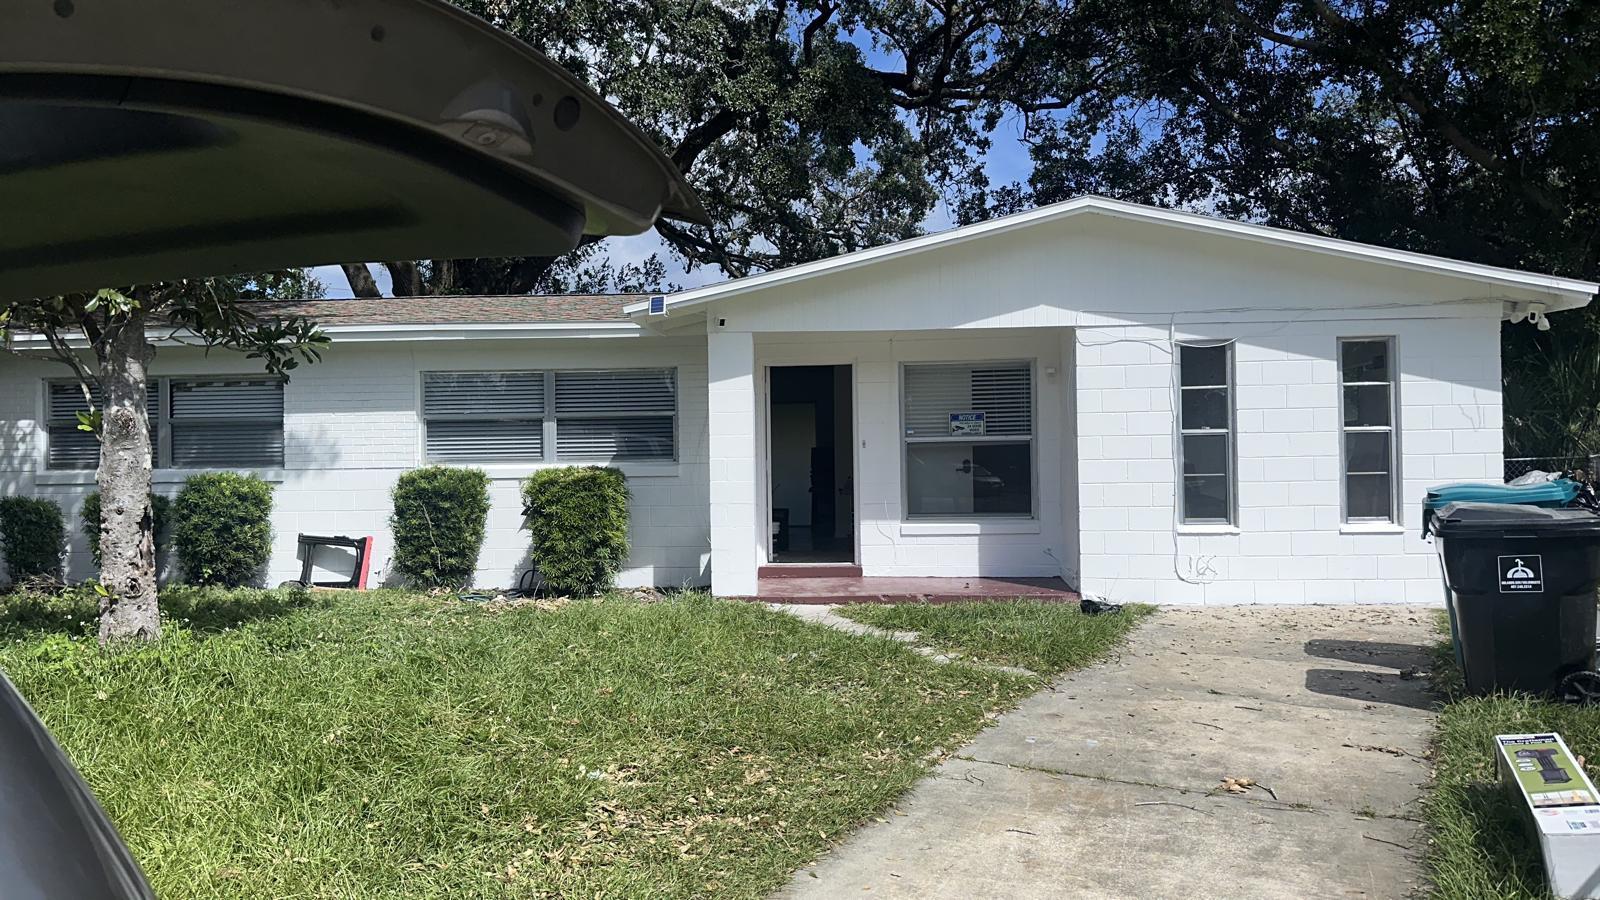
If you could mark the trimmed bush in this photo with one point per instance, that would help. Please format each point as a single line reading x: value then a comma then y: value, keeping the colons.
x: 438, y: 521
x: 32, y: 534
x: 89, y: 515
x: 222, y: 528
x: 578, y: 517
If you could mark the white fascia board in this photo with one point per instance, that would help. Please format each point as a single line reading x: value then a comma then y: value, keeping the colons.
x: 162, y: 337
x: 468, y: 332
x: 1570, y: 292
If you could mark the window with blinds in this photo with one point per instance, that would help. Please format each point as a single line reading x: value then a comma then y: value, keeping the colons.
x: 225, y: 423
x: 570, y: 416
x: 968, y: 439
x: 69, y: 447
x: 195, y: 423
x: 622, y: 414
x: 483, y: 417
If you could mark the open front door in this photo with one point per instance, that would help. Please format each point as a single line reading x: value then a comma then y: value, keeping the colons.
x: 810, y: 465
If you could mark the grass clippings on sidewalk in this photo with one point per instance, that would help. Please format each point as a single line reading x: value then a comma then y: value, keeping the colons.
x: 388, y: 745
x: 1481, y: 846
x: 1046, y: 638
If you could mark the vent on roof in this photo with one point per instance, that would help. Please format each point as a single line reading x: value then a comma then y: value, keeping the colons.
x: 658, y: 306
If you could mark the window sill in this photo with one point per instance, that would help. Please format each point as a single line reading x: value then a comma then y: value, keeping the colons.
x: 1372, y: 528
x: 86, y: 477
x: 630, y: 470
x: 996, y: 526
x: 1208, y: 529
x: 178, y: 476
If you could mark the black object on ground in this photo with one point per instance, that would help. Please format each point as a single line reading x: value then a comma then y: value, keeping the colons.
x: 1582, y: 688
x: 358, y: 575
x: 1522, y: 583
x: 1092, y: 607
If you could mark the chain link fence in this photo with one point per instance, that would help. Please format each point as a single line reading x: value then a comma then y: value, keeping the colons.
x: 1518, y: 466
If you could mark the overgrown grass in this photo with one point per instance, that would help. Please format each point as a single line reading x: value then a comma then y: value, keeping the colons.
x: 1046, y: 638
x: 386, y: 745
x: 1480, y: 841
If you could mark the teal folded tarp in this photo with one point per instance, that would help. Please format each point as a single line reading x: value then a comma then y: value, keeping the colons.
x: 1558, y: 492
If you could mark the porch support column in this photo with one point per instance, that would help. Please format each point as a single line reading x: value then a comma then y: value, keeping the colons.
x: 736, y: 531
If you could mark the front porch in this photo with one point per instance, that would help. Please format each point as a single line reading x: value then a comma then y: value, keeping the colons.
x: 887, y: 589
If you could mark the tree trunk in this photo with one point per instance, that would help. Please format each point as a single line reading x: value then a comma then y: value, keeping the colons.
x: 361, y: 281
x: 405, y: 279
x: 127, y: 526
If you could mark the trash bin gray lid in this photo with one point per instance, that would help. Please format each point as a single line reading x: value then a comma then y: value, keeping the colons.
x: 1483, y: 519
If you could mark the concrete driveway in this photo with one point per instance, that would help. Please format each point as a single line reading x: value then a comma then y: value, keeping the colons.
x: 1110, y: 784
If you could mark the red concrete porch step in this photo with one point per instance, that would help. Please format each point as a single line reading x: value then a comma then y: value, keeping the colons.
x: 908, y: 590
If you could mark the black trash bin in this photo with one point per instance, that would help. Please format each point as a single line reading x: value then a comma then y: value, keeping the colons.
x: 1523, y: 583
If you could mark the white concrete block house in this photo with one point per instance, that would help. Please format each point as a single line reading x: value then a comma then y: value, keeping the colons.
x: 1151, y: 405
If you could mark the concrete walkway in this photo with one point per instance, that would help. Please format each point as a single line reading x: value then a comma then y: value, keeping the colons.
x: 1109, y: 785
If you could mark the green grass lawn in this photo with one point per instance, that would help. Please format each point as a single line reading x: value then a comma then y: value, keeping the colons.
x: 1481, y: 847
x: 388, y: 745
x: 1046, y: 638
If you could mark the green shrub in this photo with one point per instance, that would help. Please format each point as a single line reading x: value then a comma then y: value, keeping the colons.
x: 222, y: 528
x: 578, y: 517
x: 89, y: 514
x: 31, y: 534
x: 438, y: 521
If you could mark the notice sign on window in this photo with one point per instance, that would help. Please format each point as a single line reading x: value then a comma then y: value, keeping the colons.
x: 967, y: 423
x: 1521, y: 574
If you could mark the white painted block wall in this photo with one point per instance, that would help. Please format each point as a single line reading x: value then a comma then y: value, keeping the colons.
x: 888, y: 543
x: 1290, y: 545
x: 352, y: 426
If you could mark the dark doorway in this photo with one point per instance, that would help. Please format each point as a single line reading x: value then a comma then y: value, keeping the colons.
x: 811, y: 465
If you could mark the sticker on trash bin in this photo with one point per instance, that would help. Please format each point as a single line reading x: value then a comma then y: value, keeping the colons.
x: 1521, y: 574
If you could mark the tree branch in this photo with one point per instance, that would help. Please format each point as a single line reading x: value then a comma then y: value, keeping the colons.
x: 807, y: 37
x: 1396, y: 84
x: 360, y: 279
x: 735, y: 264
x: 701, y: 137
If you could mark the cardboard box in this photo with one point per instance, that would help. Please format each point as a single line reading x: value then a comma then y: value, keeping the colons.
x: 1564, y: 808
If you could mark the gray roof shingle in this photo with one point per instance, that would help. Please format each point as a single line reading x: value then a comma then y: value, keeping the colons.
x: 517, y: 309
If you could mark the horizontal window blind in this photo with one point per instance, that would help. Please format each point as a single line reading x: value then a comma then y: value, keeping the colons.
x: 484, y: 417
x: 623, y: 414
x: 483, y: 395
x: 226, y: 423
x: 616, y: 392
x: 609, y: 439
x: 1003, y: 392
x: 72, y: 448
x: 507, y: 440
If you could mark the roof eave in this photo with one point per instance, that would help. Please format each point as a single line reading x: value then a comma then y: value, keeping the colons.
x: 376, y: 333
x: 1569, y: 293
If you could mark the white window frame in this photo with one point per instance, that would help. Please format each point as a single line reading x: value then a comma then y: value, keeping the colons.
x: 167, y: 418
x: 1392, y: 429
x: 160, y: 387
x: 1031, y: 440
x: 548, y: 424
x: 1229, y: 434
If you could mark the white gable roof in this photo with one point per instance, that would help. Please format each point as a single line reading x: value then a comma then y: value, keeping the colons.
x: 1565, y: 293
